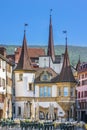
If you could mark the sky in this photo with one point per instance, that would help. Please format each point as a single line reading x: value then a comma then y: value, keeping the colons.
x: 70, y: 15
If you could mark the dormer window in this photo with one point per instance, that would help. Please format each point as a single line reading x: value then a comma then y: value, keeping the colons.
x: 45, y: 77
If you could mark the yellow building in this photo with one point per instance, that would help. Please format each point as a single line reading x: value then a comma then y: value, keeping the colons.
x: 42, y: 92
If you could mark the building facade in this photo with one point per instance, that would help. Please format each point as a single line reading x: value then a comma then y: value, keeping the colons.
x: 46, y: 92
x: 82, y: 92
x: 5, y: 85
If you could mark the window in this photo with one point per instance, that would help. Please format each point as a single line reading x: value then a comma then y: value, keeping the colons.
x: 82, y: 76
x: 3, y: 83
x: 41, y: 91
x: 20, y: 77
x: 84, y: 82
x: 65, y: 91
x: 45, y: 91
x: 30, y: 87
x: 19, y: 111
x: 45, y: 77
x: 85, y: 75
x: 72, y: 91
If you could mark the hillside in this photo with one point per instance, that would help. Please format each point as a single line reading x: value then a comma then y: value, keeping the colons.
x: 74, y: 51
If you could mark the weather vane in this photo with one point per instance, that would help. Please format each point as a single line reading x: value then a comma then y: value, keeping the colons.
x: 25, y: 25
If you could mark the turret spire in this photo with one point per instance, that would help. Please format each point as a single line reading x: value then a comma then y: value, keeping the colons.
x: 66, y: 74
x: 24, y: 61
x: 50, y: 51
x: 78, y: 64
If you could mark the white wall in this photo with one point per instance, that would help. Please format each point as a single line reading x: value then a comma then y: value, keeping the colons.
x: 44, y: 62
x: 22, y: 87
x: 19, y: 104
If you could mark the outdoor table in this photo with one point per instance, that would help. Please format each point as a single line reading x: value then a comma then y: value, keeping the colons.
x: 66, y: 126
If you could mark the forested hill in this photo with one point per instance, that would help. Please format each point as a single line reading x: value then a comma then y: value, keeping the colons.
x: 74, y: 51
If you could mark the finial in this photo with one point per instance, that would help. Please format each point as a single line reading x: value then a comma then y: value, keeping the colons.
x: 51, y: 11
x: 25, y: 27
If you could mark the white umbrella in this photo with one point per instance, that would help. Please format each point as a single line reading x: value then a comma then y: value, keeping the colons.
x: 52, y: 111
x: 49, y: 113
x: 33, y: 109
x: 25, y: 110
x: 37, y: 110
x: 5, y: 110
x: 10, y: 108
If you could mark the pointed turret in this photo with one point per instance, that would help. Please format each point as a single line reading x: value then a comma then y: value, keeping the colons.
x: 66, y: 74
x: 78, y: 64
x: 24, y: 61
x: 50, y: 51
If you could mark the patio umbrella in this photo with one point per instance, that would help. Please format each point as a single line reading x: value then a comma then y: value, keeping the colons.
x: 10, y: 108
x: 52, y: 111
x: 37, y: 110
x: 5, y: 110
x: 33, y: 110
x: 49, y: 113
x: 25, y: 110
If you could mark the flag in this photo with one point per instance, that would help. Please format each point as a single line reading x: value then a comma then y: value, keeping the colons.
x: 64, y: 31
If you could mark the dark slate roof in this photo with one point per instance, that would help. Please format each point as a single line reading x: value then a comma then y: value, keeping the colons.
x: 50, y: 51
x: 24, y: 61
x: 66, y: 74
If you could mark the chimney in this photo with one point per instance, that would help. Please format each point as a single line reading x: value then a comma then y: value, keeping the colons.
x: 3, y: 51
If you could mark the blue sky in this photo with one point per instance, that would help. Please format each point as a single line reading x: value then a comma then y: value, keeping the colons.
x: 70, y: 15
